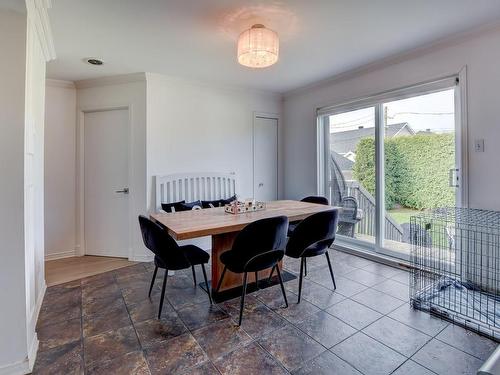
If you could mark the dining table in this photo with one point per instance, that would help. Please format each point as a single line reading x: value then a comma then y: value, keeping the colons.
x: 223, y: 227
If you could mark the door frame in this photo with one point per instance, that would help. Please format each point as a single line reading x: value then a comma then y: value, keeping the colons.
x: 269, y: 116
x: 376, y: 100
x: 80, y: 174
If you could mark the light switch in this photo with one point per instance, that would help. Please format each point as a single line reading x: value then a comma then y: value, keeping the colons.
x: 479, y: 145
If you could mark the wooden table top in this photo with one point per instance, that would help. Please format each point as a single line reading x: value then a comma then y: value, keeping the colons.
x: 211, y: 221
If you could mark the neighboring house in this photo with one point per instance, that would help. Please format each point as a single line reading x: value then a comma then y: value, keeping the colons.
x: 343, y: 144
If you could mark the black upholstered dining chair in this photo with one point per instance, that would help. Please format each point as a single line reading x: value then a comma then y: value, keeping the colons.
x: 169, y: 255
x: 312, y: 237
x: 310, y: 199
x: 259, y: 246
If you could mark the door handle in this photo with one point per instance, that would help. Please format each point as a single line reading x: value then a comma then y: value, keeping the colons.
x: 261, y: 184
x: 453, y: 177
x: 124, y: 191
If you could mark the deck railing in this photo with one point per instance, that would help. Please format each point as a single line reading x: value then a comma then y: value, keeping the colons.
x: 366, y: 202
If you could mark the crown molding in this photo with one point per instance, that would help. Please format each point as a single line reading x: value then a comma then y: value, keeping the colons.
x: 38, y: 15
x: 446, y: 42
x: 60, y: 83
x: 165, y: 79
x: 110, y: 80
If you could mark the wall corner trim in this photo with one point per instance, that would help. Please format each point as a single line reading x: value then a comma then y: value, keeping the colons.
x: 38, y: 14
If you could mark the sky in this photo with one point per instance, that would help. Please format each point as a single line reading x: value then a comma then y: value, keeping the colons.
x: 431, y: 111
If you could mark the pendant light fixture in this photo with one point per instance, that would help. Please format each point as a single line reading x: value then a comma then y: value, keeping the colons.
x: 258, y: 47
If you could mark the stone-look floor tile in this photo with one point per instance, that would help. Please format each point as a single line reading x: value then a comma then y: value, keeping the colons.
x: 132, y: 363
x: 102, y: 306
x: 101, y: 279
x: 291, y: 347
x: 412, y: 368
x: 383, y: 269
x: 317, y: 294
x: 444, y: 359
x: 403, y: 277
x: 273, y: 297
x: 206, y: 368
x: 220, y: 338
x: 467, y: 341
x: 142, y: 281
x: 394, y: 289
x: 345, y: 286
x: 51, y: 314
x: 62, y: 360
x: 108, y: 291
x: 378, y: 301
x: 183, y: 297
x: 297, y: 312
x: 327, y: 363
x: 129, y: 270
x: 112, y: 319
x: 148, y: 309
x: 175, y: 356
x: 353, y: 313
x: 397, y: 336
x: 133, y: 296
x: 109, y: 345
x: 61, y: 288
x: 62, y: 301
x: 420, y: 320
x: 326, y: 329
x: 59, y: 334
x: 365, y: 277
x: 200, y: 315
x: 367, y: 355
x: 154, y: 331
x: 355, y: 261
x: 251, y: 359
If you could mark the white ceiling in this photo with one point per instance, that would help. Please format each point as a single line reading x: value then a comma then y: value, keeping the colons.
x: 196, y: 39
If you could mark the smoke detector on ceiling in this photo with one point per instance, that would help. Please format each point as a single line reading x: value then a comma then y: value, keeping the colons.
x: 93, y: 61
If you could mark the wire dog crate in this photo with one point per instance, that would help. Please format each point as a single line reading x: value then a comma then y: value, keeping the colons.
x: 456, y: 267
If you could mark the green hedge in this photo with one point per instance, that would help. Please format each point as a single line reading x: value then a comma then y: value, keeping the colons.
x: 416, y: 169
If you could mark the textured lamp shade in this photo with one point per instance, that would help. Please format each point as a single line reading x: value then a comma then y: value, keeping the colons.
x: 258, y: 47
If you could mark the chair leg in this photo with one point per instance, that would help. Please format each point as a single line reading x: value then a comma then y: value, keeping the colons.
x: 194, y: 276
x: 256, y: 279
x: 152, y: 281
x: 206, y: 283
x: 220, y: 280
x: 282, y: 286
x: 305, y: 267
x: 242, y: 305
x: 270, y: 275
x: 163, y: 292
x: 300, y: 277
x: 331, y: 271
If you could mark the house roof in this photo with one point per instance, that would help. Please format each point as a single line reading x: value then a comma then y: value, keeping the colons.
x: 343, y: 142
x: 343, y: 163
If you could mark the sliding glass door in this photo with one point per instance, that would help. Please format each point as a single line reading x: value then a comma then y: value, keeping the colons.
x: 389, y: 157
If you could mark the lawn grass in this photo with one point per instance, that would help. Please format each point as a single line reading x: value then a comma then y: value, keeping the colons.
x: 402, y: 215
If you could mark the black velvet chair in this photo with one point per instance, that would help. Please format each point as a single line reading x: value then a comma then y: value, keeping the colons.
x: 312, y: 237
x: 259, y: 246
x: 292, y: 226
x: 169, y: 255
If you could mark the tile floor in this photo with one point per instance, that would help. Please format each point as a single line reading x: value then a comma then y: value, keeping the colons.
x: 105, y: 324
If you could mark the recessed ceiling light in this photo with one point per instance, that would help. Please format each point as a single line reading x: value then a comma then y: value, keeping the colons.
x: 94, y: 61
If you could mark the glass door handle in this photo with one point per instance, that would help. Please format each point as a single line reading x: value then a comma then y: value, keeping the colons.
x: 453, y: 177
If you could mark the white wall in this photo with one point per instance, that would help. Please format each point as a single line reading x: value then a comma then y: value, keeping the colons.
x: 107, y: 93
x: 13, y: 329
x: 60, y: 169
x: 193, y: 127
x: 22, y: 280
x: 480, y: 54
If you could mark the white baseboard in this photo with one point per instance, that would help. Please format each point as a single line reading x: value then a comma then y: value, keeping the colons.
x: 18, y: 368
x: 60, y: 255
x: 141, y: 258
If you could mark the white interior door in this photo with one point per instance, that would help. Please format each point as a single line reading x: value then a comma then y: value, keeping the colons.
x: 265, y: 159
x: 106, y: 183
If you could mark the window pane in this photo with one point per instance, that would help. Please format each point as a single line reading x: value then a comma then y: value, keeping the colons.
x: 351, y: 182
x: 419, y: 149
